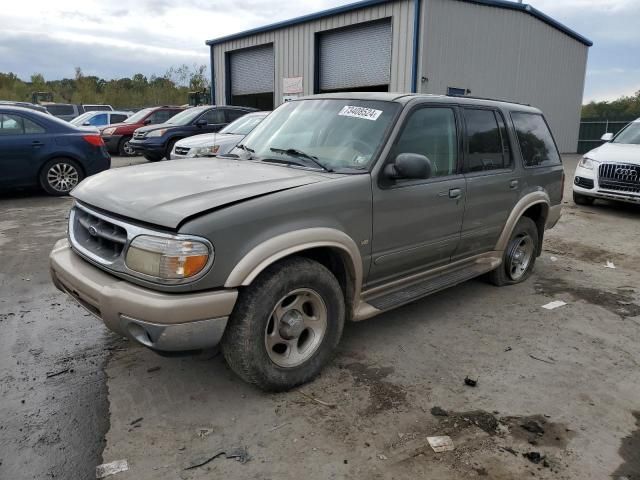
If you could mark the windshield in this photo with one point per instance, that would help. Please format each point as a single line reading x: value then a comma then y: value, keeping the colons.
x: 243, y: 125
x: 630, y: 134
x: 338, y: 134
x: 186, y: 117
x: 138, y: 116
x: 80, y: 119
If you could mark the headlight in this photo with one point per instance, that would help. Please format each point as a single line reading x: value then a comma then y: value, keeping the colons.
x: 156, y: 133
x: 108, y: 131
x: 167, y: 258
x: 204, y: 151
x: 587, y: 163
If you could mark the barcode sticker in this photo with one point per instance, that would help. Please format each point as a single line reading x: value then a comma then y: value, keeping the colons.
x: 360, y: 112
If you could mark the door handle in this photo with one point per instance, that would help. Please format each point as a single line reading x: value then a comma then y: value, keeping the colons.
x: 455, y: 193
x: 513, y: 184
x: 36, y: 144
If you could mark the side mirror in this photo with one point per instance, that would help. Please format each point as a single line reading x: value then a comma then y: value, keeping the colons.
x: 147, y: 122
x: 201, y: 122
x: 409, y: 166
x: 86, y: 124
x: 607, y: 137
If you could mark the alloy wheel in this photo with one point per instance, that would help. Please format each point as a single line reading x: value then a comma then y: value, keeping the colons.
x: 62, y: 177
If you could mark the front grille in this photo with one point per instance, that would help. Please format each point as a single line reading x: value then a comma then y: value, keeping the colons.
x: 584, y: 182
x: 138, y: 135
x: 620, y: 177
x: 182, y: 150
x: 98, y: 236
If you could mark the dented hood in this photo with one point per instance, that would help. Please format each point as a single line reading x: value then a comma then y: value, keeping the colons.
x: 166, y: 193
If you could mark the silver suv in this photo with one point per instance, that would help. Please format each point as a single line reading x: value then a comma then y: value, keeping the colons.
x: 335, y: 208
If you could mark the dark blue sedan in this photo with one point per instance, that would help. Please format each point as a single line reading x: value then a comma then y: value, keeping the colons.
x: 38, y: 149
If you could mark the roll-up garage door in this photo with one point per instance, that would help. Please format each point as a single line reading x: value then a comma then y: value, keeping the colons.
x: 356, y: 57
x: 252, y: 71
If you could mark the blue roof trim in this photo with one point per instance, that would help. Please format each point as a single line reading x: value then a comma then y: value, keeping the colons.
x: 523, y: 7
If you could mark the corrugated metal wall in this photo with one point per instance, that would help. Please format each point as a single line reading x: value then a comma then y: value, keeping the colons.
x: 294, y: 47
x: 505, y: 54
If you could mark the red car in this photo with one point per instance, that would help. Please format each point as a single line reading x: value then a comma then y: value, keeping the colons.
x: 117, y: 135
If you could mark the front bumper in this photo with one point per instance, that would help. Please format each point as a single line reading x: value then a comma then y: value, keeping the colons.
x: 162, y: 321
x: 597, y: 191
x: 148, y: 146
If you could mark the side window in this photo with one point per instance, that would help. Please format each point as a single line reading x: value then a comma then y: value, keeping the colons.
x: 11, y: 125
x: 536, y: 142
x: 97, y: 120
x: 117, y: 118
x: 484, y: 146
x: 234, y: 115
x: 214, y: 116
x: 31, y: 128
x: 431, y: 132
x: 160, y: 116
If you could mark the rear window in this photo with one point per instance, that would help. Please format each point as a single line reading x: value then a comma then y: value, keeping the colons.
x: 536, y: 143
x: 61, y: 109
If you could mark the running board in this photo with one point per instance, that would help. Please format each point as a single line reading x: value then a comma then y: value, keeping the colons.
x: 429, y: 285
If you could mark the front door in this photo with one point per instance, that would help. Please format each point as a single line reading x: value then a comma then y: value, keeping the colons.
x: 215, y: 120
x: 416, y: 223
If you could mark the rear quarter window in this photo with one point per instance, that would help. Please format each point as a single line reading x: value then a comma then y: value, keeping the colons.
x: 61, y: 109
x: 535, y: 140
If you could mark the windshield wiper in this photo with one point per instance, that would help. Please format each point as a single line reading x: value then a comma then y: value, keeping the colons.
x: 299, y: 153
x: 245, y: 148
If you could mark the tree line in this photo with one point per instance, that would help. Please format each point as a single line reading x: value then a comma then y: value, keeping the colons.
x: 624, y: 108
x: 136, y: 92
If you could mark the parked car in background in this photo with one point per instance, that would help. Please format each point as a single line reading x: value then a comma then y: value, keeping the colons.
x: 335, y: 208
x: 100, y: 118
x: 212, y: 144
x: 611, y: 171
x: 97, y: 108
x: 64, y: 111
x: 156, y: 142
x: 32, y: 106
x: 117, y: 136
x: 39, y: 149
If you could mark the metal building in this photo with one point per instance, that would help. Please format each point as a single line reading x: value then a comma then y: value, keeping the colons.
x: 487, y: 48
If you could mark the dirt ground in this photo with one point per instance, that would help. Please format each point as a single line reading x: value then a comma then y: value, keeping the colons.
x: 557, y: 395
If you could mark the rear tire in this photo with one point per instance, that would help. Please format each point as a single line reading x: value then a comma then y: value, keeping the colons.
x: 60, y: 175
x: 286, y: 325
x: 124, y: 149
x: 152, y: 158
x: 520, y: 255
x: 580, y: 199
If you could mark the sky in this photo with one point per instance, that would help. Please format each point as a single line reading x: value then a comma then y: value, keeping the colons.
x: 116, y: 39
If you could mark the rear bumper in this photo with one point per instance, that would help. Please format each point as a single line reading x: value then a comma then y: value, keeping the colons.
x: 162, y: 321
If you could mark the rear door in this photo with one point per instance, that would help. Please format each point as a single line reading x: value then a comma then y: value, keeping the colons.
x: 493, y: 184
x: 21, y: 144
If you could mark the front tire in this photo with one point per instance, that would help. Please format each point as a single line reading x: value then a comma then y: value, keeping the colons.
x: 286, y: 325
x: 60, y: 175
x: 520, y: 255
x: 124, y: 149
x: 152, y: 158
x: 580, y: 199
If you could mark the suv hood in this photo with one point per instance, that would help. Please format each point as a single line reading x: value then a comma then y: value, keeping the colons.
x: 157, y: 126
x: 166, y: 193
x: 616, y: 152
x: 210, y: 139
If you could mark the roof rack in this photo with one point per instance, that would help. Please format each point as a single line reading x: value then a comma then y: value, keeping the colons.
x: 487, y: 98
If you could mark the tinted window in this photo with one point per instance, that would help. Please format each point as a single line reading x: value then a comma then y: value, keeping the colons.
x: 100, y: 119
x: 214, y: 116
x: 31, y: 128
x: 161, y: 116
x: 96, y: 108
x: 118, y: 117
x: 234, y: 115
x: 431, y: 132
x: 536, y: 142
x: 485, y: 148
x: 61, y: 109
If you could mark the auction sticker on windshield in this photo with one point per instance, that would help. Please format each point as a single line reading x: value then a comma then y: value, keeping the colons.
x: 360, y: 112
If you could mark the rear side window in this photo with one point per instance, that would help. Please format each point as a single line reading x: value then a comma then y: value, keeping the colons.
x: 11, y: 124
x: 536, y: 143
x: 214, y: 117
x: 161, y: 116
x: 486, y: 143
x: 118, y: 117
x: 61, y: 109
x: 234, y: 115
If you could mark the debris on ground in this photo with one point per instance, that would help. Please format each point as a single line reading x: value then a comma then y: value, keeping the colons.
x: 533, y: 457
x: 508, y: 349
x: 204, y: 432
x: 470, y: 382
x: 318, y: 401
x: 553, y: 259
x: 111, y: 468
x: 240, y: 454
x: 509, y: 450
x: 59, y: 372
x: 533, y: 427
x: 441, y: 444
x: 382, y: 457
x: 153, y: 369
x: 137, y: 420
x: 553, y: 305
x: 610, y: 264
x: 279, y: 426
x: 551, y: 361
x: 439, y: 412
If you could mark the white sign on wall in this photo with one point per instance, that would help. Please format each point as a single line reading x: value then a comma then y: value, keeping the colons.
x: 292, y: 85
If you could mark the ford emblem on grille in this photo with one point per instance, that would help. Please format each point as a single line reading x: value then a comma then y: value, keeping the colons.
x: 627, y: 172
x: 93, y: 231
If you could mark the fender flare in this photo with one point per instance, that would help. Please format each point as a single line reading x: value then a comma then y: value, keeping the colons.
x: 281, y: 246
x: 529, y: 200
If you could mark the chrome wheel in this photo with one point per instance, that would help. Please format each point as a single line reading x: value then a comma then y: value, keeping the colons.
x: 127, y: 149
x: 520, y: 256
x: 62, y: 177
x: 296, y: 328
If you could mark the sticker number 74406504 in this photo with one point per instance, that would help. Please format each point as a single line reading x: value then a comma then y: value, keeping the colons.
x: 360, y: 112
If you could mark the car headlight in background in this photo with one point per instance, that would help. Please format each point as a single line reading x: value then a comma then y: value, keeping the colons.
x: 156, y: 133
x: 204, y: 151
x: 108, y: 131
x: 167, y: 258
x: 587, y: 163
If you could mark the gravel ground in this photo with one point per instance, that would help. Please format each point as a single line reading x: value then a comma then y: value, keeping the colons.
x: 562, y: 383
